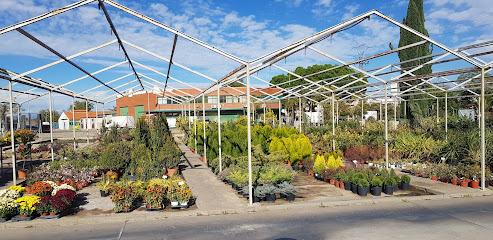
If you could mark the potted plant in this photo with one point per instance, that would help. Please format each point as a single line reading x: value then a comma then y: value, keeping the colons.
x: 268, y: 191
x: 26, y: 206
x: 347, y: 181
x: 103, y: 185
x: 288, y: 190
x: 8, y: 208
x: 41, y: 189
x: 363, y: 187
x: 405, y: 180
x: 184, y: 197
x: 389, y: 185
x: 57, y: 205
x: 376, y: 186
x: 43, y: 206
x: 154, y: 197
x: 123, y: 197
x: 340, y: 176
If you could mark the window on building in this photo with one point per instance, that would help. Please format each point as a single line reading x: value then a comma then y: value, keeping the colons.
x: 212, y: 99
x: 222, y: 99
x: 161, y: 100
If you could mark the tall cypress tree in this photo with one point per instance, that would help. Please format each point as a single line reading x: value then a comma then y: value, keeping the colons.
x: 415, y: 19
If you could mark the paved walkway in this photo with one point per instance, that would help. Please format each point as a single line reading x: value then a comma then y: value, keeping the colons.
x: 211, y: 193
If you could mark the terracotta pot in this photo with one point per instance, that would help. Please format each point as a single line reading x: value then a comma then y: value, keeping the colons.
x: 336, y: 183
x: 311, y: 172
x: 52, y: 214
x: 341, y: 185
x: 172, y: 171
x: 464, y: 184
x: 21, y: 173
x: 110, y: 172
x: 434, y: 178
x: 79, y: 186
x: 24, y: 216
x: 44, y: 214
x: 454, y: 182
x: 204, y: 159
x: 332, y: 181
x: 326, y: 180
x: 85, y: 183
x: 475, y: 184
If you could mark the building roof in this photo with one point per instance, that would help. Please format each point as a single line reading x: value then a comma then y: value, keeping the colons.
x: 227, y: 91
x: 82, y: 114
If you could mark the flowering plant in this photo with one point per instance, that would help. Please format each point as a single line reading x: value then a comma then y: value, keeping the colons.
x: 63, y: 186
x: 66, y: 195
x: 8, y: 207
x: 43, y: 206
x: 155, y: 195
x: 18, y: 189
x: 9, y: 193
x: 41, y: 189
x: 123, y: 196
x: 57, y: 204
x: 26, y: 204
x: 70, y: 183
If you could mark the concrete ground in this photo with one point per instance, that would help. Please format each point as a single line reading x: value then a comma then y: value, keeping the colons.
x: 460, y: 218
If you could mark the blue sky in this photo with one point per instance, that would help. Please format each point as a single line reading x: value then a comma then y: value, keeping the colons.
x: 247, y: 29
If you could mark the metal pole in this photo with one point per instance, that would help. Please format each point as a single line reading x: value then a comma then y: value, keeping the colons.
x: 219, y: 128
x: 103, y: 117
x: 51, y: 129
x: 438, y: 112
x: 381, y: 116
x: 479, y: 112
x: 189, y: 118
x: 395, y: 113
x: 300, y: 113
x: 362, y: 115
x: 279, y: 112
x: 12, y: 139
x: 18, y: 116
x: 96, y: 124
x: 87, y: 123
x: 386, y: 132
x: 73, y: 118
x: 195, y: 123
x: 333, y: 125
x: 337, y: 113
x: 249, y: 137
x: 148, y: 107
x: 405, y: 109
x: 203, y: 122
x: 264, y: 114
x: 446, y: 117
x: 483, y: 141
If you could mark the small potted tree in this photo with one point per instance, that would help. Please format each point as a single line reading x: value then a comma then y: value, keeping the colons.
x: 389, y: 185
x: 288, y: 190
x: 405, y: 180
x: 376, y: 186
x: 363, y: 187
x: 269, y: 191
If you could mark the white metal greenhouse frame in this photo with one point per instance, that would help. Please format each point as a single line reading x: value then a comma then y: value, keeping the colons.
x: 326, y: 88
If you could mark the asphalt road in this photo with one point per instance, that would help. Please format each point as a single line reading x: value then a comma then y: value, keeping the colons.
x: 465, y: 218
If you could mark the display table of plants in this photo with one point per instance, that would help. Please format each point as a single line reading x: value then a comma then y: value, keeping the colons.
x: 47, y: 200
x: 155, y: 194
x: 461, y: 175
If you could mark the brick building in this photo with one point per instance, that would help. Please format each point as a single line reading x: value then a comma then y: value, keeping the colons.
x: 231, y: 100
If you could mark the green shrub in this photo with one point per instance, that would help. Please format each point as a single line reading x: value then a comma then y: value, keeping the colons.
x: 405, y: 179
x: 363, y: 183
x: 376, y: 182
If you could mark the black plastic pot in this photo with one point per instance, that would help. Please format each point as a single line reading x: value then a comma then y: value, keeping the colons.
x: 347, y: 186
x: 270, y: 197
x: 487, y: 184
x: 354, y: 188
x: 282, y: 195
x: 256, y: 199
x: 404, y: 186
x: 290, y: 197
x: 376, y: 191
x: 103, y: 193
x: 396, y: 187
x: 389, y: 190
x: 305, y: 169
x: 296, y: 168
x: 362, y: 191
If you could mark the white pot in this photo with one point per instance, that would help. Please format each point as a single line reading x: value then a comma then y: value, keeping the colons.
x: 392, y: 166
x: 184, y: 204
x: 174, y: 204
x: 370, y: 164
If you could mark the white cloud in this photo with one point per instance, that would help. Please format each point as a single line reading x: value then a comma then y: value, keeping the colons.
x: 325, y: 3
x: 294, y: 3
x: 350, y: 10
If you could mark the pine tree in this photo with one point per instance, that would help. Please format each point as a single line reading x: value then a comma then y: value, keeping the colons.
x: 416, y: 20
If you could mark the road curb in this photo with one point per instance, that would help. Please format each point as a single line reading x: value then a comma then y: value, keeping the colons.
x: 149, y: 216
